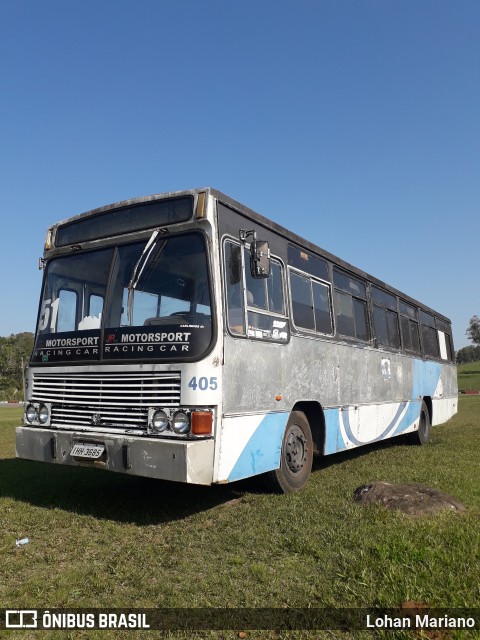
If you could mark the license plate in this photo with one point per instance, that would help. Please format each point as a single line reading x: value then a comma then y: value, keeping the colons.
x: 87, y: 450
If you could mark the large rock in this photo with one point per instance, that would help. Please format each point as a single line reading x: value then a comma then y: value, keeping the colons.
x: 412, y: 499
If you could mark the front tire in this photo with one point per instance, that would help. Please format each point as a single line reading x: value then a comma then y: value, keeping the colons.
x: 296, y: 456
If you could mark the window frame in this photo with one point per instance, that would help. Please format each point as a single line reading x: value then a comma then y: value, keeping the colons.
x: 446, y: 329
x: 255, y: 308
x: 410, y: 319
x: 432, y: 356
x: 387, y: 309
x: 325, y: 283
x: 363, y: 300
x: 248, y: 308
x: 427, y: 321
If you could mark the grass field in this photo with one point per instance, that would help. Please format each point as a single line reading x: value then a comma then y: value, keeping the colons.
x: 469, y: 376
x: 101, y: 539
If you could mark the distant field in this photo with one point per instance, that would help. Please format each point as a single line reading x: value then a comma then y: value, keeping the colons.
x: 469, y: 376
x: 101, y: 539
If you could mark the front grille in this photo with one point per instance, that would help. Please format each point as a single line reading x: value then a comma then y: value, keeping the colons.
x: 105, y: 402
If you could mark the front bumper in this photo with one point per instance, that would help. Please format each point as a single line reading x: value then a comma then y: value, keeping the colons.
x: 178, y: 460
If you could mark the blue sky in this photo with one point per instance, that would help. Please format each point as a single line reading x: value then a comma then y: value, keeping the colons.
x: 354, y: 123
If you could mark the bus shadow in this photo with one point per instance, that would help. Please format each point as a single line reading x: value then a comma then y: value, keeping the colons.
x: 132, y: 499
x: 109, y: 496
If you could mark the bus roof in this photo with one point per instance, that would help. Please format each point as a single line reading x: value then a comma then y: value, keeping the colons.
x: 302, y: 242
x: 264, y: 222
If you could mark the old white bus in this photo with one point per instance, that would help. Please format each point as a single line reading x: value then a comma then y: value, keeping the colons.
x: 185, y: 337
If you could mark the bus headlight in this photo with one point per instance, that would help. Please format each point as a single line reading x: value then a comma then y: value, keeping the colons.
x: 31, y: 414
x: 159, y: 421
x: 180, y: 422
x: 43, y: 414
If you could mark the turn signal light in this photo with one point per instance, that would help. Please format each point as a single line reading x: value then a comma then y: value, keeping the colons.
x: 201, y: 423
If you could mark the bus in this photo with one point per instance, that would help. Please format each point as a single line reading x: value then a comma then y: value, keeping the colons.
x: 185, y: 337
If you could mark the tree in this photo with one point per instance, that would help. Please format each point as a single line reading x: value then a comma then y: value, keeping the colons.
x: 12, y: 350
x: 468, y: 354
x: 473, y: 331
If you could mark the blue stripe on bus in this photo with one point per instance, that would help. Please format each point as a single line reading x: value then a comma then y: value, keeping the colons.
x: 262, y: 451
x: 333, y: 435
x: 425, y: 378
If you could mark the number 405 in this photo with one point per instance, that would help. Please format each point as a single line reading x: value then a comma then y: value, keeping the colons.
x: 203, y: 383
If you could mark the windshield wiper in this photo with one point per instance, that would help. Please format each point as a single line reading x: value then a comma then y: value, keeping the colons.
x: 138, y: 270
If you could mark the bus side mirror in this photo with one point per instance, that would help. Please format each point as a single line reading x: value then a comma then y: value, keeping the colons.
x: 259, y: 254
x: 260, y: 259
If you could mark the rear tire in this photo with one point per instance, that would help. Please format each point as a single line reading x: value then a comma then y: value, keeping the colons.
x: 422, y: 435
x: 296, y: 456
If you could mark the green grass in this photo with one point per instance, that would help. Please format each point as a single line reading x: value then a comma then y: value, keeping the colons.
x: 469, y: 376
x: 101, y: 539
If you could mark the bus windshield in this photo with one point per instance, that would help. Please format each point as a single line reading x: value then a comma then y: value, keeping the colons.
x: 142, y: 300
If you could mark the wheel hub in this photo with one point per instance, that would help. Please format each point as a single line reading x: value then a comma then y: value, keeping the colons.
x: 296, y: 449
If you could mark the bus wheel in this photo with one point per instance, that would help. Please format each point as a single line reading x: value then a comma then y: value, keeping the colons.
x: 422, y: 435
x: 296, y: 456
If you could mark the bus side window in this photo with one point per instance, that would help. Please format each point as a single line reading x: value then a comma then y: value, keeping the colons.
x: 351, y: 314
x: 275, y: 288
x: 444, y: 330
x: 310, y: 304
x: 386, y: 327
x: 321, y: 307
x: 450, y: 351
x: 302, y: 301
x: 430, y: 341
x: 265, y: 293
x: 429, y: 335
x: 350, y: 306
x: 409, y: 326
x: 385, y: 318
x: 256, y: 288
x: 234, y: 288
